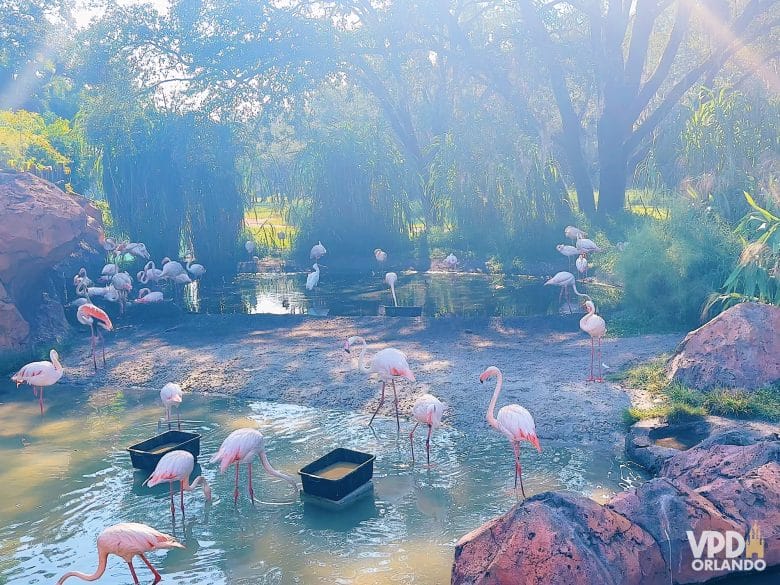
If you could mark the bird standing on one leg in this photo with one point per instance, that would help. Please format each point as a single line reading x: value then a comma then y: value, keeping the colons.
x: 514, y: 421
x: 596, y: 327
x: 427, y: 410
x: 40, y: 374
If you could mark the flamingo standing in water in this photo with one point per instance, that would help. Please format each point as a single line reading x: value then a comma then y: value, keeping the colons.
x: 313, y: 278
x: 596, y: 327
x: 40, y: 374
x: 177, y: 466
x: 391, y: 278
x: 87, y: 315
x: 389, y: 363
x: 427, y: 410
x: 565, y: 280
x: 127, y: 540
x: 514, y: 421
x: 241, y: 446
x: 171, y: 395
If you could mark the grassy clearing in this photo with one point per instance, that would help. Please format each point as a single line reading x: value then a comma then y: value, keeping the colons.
x: 678, y: 402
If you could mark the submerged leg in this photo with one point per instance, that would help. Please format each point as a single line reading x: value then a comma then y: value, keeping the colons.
x: 428, y: 444
x: 173, y: 508
x: 411, y: 439
x: 251, y: 490
x: 381, y: 402
x: 235, y: 493
x: 395, y: 397
x: 181, y: 493
x: 132, y: 572
x: 40, y: 399
x: 518, y: 469
x: 157, y: 576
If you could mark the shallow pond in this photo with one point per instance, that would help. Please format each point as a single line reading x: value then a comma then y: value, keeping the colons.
x: 338, y: 294
x: 66, y: 476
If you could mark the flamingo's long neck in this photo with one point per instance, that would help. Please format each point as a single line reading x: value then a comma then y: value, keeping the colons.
x: 362, y: 366
x: 56, y: 362
x: 102, y: 563
x: 492, y: 406
x: 200, y: 480
x: 269, y: 468
x: 578, y: 293
x: 392, y: 290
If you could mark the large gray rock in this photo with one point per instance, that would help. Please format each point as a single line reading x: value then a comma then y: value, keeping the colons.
x: 740, y: 348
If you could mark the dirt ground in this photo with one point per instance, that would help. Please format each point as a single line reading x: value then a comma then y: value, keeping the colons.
x: 301, y: 360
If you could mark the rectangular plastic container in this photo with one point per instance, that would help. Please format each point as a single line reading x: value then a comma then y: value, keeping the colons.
x: 391, y: 311
x: 337, y: 489
x: 143, y: 457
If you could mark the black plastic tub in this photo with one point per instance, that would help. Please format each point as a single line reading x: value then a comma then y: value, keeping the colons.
x: 147, y: 454
x: 337, y: 489
x: 391, y: 311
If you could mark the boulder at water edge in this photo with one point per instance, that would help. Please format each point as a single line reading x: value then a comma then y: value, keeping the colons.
x: 740, y: 348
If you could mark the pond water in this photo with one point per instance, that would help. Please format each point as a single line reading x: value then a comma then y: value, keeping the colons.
x: 339, y: 294
x: 66, y: 476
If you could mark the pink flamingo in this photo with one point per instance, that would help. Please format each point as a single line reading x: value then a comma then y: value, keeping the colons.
x: 171, y: 395
x: 380, y: 255
x: 388, y: 363
x: 241, y: 446
x: 596, y: 327
x: 145, y: 295
x: 178, y: 466
x: 574, y: 233
x: 86, y: 315
x: 514, y: 421
x: 127, y: 540
x: 565, y: 280
x: 40, y: 374
x: 317, y: 251
x: 582, y: 264
x: 427, y: 410
x: 568, y: 251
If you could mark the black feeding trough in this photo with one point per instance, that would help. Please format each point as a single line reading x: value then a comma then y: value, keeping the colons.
x: 391, y: 311
x: 147, y: 454
x: 338, y: 478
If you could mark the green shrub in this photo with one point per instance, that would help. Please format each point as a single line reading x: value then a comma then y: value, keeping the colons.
x: 670, y: 267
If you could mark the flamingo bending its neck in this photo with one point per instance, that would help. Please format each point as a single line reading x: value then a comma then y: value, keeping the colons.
x: 565, y: 280
x: 596, y: 327
x: 313, y: 278
x: 177, y: 466
x: 391, y: 278
x: 380, y: 255
x: 513, y: 421
x: 241, y: 446
x: 388, y: 363
x: 127, y: 540
x: 427, y: 410
x: 171, y: 395
x: 40, y: 374
x: 87, y: 315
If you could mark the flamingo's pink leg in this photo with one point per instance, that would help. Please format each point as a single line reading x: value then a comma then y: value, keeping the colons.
x: 181, y: 492
x: 411, y: 439
x: 157, y: 576
x: 235, y: 493
x: 560, y: 296
x: 92, y: 342
x: 40, y: 399
x: 518, y: 468
x: 395, y: 397
x: 592, y: 350
x: 132, y: 572
x: 251, y: 490
x: 428, y: 444
x: 601, y: 376
x: 381, y: 402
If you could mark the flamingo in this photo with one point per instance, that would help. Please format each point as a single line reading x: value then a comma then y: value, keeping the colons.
x: 146, y: 295
x: 127, y: 540
x: 40, y: 374
x: 181, y: 279
x: 177, y: 466
x: 171, y: 395
x: 391, y: 278
x: 427, y: 410
x: 313, y: 278
x: 451, y: 261
x: 596, y: 327
x: 152, y: 273
x: 582, y: 264
x: 241, y: 446
x: 380, y: 255
x: 514, y: 421
x: 171, y: 268
x: 109, y: 270
x: 93, y: 291
x: 249, y: 246
x: 565, y: 280
x: 135, y: 249
x: 317, y: 251
x: 568, y: 251
x: 123, y: 284
x: 82, y: 278
x: 389, y: 363
x: 196, y: 270
x: 586, y: 246
x: 573, y: 233
x: 86, y: 315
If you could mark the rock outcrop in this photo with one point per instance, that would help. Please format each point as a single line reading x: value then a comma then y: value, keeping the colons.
x: 726, y: 482
x: 40, y: 226
x: 738, y: 348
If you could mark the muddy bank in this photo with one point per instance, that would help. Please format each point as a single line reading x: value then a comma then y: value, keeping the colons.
x: 301, y: 360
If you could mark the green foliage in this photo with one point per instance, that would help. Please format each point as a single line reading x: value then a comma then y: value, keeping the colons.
x: 27, y: 142
x: 755, y: 278
x: 670, y: 267
x: 677, y: 402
